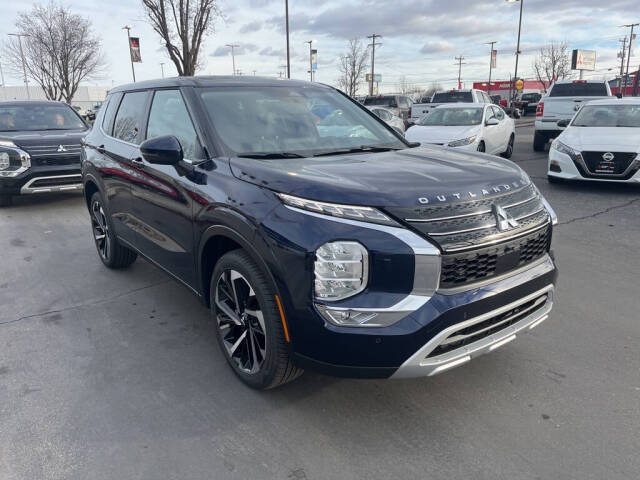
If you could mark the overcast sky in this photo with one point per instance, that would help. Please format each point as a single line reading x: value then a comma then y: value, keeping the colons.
x: 420, y: 37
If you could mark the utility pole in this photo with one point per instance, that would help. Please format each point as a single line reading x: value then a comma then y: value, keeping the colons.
x: 310, y: 42
x: 622, y: 55
x: 286, y: 8
x: 373, y: 59
x: 515, y: 74
x: 233, y: 55
x: 629, y: 52
x: 128, y: 28
x: 3, y: 85
x: 24, y: 68
x: 490, y: 65
x: 460, y: 59
x: 162, y: 68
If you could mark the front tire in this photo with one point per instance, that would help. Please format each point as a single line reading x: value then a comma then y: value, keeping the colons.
x: 111, y: 252
x: 249, y: 328
x: 6, y: 200
x: 539, y: 142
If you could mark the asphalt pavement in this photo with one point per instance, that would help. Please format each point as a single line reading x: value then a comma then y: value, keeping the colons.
x: 117, y: 375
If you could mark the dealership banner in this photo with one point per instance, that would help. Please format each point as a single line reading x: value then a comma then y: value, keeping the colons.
x: 134, y: 49
x: 314, y: 59
x: 494, y: 58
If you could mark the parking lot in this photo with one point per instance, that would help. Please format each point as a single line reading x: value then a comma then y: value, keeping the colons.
x: 117, y: 374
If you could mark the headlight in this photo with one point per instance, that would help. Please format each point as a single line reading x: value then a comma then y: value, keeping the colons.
x: 462, y: 142
x: 13, y: 160
x: 567, y: 150
x: 341, y: 270
x: 364, y: 214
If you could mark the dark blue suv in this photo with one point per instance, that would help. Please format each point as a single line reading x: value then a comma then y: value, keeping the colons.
x: 316, y: 234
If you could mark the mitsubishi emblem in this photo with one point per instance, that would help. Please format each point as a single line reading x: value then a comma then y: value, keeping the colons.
x: 504, y: 221
x: 61, y: 148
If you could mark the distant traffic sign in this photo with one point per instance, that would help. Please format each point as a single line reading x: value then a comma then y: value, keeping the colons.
x: 519, y: 85
x: 376, y: 77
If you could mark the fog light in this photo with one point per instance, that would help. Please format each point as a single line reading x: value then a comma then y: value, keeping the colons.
x: 341, y: 270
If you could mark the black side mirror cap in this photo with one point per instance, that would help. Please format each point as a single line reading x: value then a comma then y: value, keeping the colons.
x: 619, y: 95
x: 165, y: 150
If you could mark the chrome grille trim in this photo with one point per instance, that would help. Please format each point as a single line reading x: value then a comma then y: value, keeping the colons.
x: 499, y: 240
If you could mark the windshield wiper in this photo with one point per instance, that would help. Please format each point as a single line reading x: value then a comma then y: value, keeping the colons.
x: 362, y: 148
x: 270, y: 155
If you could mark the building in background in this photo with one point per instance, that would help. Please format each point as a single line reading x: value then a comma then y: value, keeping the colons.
x: 629, y: 86
x: 503, y: 87
x: 86, y: 97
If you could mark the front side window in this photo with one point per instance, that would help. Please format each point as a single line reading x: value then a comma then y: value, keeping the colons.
x: 39, y: 116
x: 304, y: 121
x: 608, y: 116
x: 449, y: 117
x: 169, y: 116
x: 130, y: 117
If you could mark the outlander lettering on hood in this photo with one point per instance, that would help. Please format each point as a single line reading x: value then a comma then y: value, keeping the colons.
x: 461, y: 196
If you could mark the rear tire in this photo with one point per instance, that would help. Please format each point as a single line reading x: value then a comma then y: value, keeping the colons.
x: 509, y: 151
x: 111, y: 252
x: 250, y: 331
x: 539, y: 142
x: 6, y: 200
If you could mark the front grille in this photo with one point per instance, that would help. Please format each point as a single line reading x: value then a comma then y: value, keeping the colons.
x: 478, y: 331
x: 468, y: 267
x: 42, y: 155
x: 474, y: 248
x: 617, y: 166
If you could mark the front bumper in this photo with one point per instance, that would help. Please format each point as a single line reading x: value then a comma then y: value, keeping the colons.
x: 569, y: 171
x: 47, y: 179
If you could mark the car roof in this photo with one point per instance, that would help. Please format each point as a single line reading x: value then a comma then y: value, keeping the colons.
x: 464, y: 105
x: 616, y: 101
x: 215, y: 81
x: 24, y: 103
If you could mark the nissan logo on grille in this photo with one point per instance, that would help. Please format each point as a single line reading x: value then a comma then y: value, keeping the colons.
x: 504, y: 221
x: 608, y: 157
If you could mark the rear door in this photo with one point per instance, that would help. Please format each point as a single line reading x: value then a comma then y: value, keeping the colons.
x: 163, y: 202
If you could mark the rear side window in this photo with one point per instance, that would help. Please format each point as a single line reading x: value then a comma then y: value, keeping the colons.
x: 109, y: 113
x: 130, y: 117
x: 579, y: 90
x: 453, y: 97
x: 169, y: 116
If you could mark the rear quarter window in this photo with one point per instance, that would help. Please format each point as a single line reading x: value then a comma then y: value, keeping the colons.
x: 579, y: 90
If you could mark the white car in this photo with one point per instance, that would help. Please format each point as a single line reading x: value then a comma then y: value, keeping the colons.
x: 601, y: 142
x: 469, y: 126
x: 388, y: 117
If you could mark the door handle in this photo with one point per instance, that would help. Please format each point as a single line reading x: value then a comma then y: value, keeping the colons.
x: 137, y: 162
x: 100, y: 149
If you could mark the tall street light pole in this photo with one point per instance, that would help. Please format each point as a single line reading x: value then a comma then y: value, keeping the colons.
x: 133, y: 72
x: 310, y: 42
x: 24, y: 68
x: 515, y: 75
x: 373, y: 59
x: 233, y: 55
x: 162, y: 68
x: 286, y: 8
x: 626, y: 75
x: 490, y: 66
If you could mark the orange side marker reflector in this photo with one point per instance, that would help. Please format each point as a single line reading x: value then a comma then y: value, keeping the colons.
x: 284, y: 322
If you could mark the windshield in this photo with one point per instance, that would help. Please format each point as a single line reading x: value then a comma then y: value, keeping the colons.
x: 381, y: 101
x: 39, y: 117
x: 298, y: 120
x: 578, y: 90
x: 453, y: 97
x: 608, y: 116
x: 450, y: 117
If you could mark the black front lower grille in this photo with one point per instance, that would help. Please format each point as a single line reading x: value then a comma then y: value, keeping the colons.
x: 478, y: 331
x: 56, y: 182
x: 616, y: 166
x: 463, y: 268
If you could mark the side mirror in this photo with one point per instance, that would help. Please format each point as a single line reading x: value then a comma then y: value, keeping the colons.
x: 491, y: 122
x: 619, y: 95
x: 563, y: 123
x: 165, y: 150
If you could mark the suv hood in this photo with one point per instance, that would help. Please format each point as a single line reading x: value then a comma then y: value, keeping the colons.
x: 28, y: 139
x: 616, y: 139
x: 386, y: 179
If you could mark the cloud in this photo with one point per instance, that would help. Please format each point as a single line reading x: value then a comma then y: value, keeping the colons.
x: 440, y: 46
x: 240, y: 49
x: 273, y: 52
x: 251, y: 27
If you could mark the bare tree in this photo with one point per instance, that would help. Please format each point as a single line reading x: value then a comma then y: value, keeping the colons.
x: 552, y: 63
x: 353, y: 66
x: 60, y: 50
x: 182, y: 25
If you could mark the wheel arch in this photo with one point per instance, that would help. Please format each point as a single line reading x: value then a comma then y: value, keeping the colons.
x: 90, y: 188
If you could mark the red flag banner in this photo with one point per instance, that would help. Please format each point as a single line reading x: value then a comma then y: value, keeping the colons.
x: 134, y: 49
